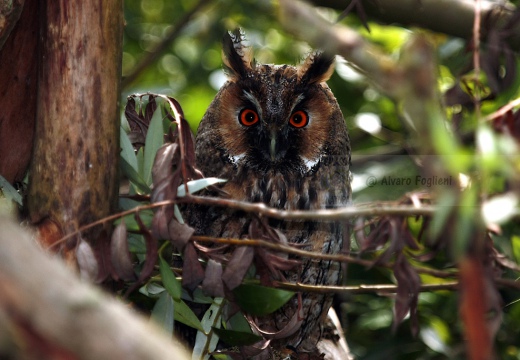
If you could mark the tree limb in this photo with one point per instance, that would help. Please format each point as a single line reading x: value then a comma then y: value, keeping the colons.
x: 41, y: 299
x: 451, y: 17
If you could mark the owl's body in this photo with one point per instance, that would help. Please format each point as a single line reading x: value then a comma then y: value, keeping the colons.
x: 277, y: 135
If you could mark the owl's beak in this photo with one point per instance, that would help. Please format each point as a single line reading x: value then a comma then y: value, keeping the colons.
x: 272, y: 147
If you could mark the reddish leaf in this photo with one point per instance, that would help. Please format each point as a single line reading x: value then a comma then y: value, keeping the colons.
x: 163, y: 162
x: 151, y: 255
x: 120, y: 256
x: 408, y: 286
x: 160, y: 224
x: 179, y: 233
x: 212, y: 284
x: 192, y: 270
x: 237, y: 267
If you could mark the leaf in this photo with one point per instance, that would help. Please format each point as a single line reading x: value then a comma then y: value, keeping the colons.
x: 134, y: 177
x: 119, y: 254
x: 197, y: 185
x: 170, y: 282
x: 163, y: 312
x: 87, y: 262
x: 127, y: 150
x: 260, y: 300
x: 207, y: 340
x: 192, y: 270
x: 9, y: 191
x: 163, y: 162
x: 179, y: 233
x: 151, y: 255
x: 236, y: 338
x: 212, y: 284
x: 185, y: 315
x: 154, y: 140
x: 237, y: 267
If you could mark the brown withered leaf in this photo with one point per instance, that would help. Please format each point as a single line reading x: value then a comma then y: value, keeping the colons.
x: 150, y: 108
x: 166, y: 189
x: 179, y: 233
x: 212, y: 284
x: 408, y: 287
x: 151, y: 255
x: 102, y: 253
x: 120, y: 256
x: 192, y: 270
x: 237, y: 267
x: 160, y: 224
x: 87, y: 262
x: 162, y: 167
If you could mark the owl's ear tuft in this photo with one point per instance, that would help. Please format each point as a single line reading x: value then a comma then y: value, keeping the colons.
x: 317, y: 67
x: 238, y: 58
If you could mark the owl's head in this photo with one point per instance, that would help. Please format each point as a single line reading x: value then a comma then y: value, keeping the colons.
x: 274, y: 117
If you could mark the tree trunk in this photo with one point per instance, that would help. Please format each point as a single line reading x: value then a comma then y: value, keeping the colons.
x: 73, y: 177
x: 19, y: 80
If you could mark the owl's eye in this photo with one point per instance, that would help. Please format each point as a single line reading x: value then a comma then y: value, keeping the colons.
x: 248, y: 117
x: 299, y: 119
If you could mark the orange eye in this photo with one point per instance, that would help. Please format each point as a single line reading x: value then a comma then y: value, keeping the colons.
x: 248, y: 117
x: 299, y: 119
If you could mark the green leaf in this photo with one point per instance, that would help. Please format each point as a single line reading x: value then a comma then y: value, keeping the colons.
x: 163, y: 311
x: 170, y: 282
x: 260, y: 300
x: 127, y: 150
x: 151, y: 289
x: 9, y: 191
x: 134, y: 177
x: 154, y: 140
x: 185, y: 315
x: 206, y: 341
x: 236, y: 338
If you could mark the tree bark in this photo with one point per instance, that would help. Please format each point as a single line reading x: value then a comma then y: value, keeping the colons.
x: 19, y: 80
x: 73, y: 178
x: 48, y: 313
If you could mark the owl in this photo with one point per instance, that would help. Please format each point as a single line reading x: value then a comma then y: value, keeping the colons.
x: 277, y: 134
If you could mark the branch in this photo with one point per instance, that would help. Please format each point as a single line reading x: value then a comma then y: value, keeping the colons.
x: 316, y: 255
x: 451, y: 17
x: 48, y: 307
x: 377, y: 209
x: 361, y: 289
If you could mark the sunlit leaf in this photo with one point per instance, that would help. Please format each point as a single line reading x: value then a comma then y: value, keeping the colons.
x: 197, y: 185
x: 260, y: 300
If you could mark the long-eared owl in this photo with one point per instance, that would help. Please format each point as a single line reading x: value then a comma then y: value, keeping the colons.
x: 277, y: 134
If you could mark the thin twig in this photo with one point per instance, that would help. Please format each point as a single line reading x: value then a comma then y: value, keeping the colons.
x: 316, y: 255
x: 360, y: 289
x: 378, y: 209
